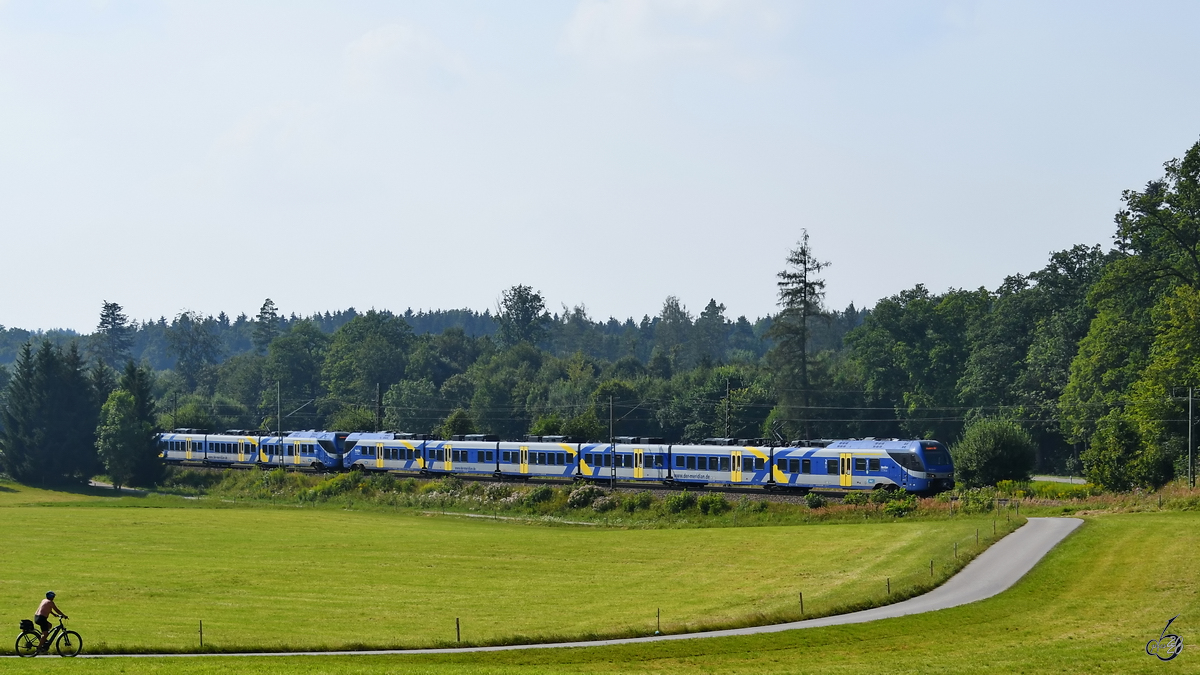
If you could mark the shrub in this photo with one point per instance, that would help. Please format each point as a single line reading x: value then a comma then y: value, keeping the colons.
x: 605, y: 503
x: 713, y: 505
x: 751, y: 505
x: 883, y: 496
x: 679, y: 502
x: 977, y: 500
x: 856, y: 498
x: 495, y: 492
x: 813, y: 501
x: 992, y: 450
x: 639, y: 500
x: 583, y: 497
x: 901, y: 507
x: 541, y: 493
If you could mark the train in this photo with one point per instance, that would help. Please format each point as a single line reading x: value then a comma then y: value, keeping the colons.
x: 916, y: 466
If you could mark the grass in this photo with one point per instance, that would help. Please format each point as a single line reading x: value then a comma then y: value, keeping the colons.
x: 1089, y: 607
x: 139, y: 573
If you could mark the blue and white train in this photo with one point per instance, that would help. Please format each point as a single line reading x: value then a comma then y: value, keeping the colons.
x: 919, y: 466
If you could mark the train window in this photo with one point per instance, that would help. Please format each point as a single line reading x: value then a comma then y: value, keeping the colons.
x: 562, y: 459
x: 793, y: 466
x: 873, y: 465
x: 628, y: 461
x: 488, y: 456
x: 860, y: 464
x: 831, y: 466
x: 659, y: 461
x: 587, y: 458
x: 702, y: 463
x: 608, y: 460
x: 782, y: 464
x: 806, y: 466
x: 691, y: 462
x: 759, y: 463
x: 724, y: 464
x: 679, y: 461
x: 504, y: 456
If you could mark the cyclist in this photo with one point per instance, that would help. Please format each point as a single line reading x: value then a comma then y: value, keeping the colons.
x: 42, y: 617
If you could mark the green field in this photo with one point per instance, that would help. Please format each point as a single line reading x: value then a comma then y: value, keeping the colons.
x: 141, y: 573
x: 1089, y: 607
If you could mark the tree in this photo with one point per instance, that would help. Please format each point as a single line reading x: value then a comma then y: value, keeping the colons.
x: 801, y: 294
x: 125, y: 440
x: 364, y: 355
x: 992, y: 450
x: 521, y: 316
x: 456, y: 423
x: 114, y: 335
x: 49, y: 417
x: 138, y: 382
x: 710, y: 334
x: 411, y: 405
x: 194, y: 342
x: 1160, y: 226
x: 266, y: 326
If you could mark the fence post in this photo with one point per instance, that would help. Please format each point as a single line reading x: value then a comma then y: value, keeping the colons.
x: 977, y: 536
x: 930, y: 569
x: 457, y: 630
x: 802, y: 604
x: 201, y: 632
x: 658, y: 622
x: 889, y: 585
x: 956, y: 549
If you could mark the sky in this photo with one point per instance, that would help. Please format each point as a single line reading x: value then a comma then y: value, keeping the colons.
x: 205, y: 156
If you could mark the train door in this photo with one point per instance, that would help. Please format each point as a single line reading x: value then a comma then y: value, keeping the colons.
x: 187, y: 453
x: 847, y: 463
x: 379, y: 455
x: 241, y: 451
x: 449, y: 456
x: 639, y: 463
x: 524, y: 459
x: 735, y: 462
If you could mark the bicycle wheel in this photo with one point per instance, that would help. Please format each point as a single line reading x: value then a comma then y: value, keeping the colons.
x: 68, y: 644
x: 27, y: 644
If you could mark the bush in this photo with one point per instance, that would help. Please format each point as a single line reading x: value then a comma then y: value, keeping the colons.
x: 901, y: 507
x: 713, y: 505
x: 541, y: 493
x: 814, y: 501
x: 604, y: 504
x: 977, y: 500
x: 883, y: 496
x: 992, y: 450
x: 856, y: 498
x: 583, y: 497
x: 679, y: 502
x: 639, y: 500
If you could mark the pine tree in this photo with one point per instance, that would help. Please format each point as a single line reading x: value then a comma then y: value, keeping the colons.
x: 114, y: 335
x: 801, y: 293
x: 147, y: 467
x: 266, y: 326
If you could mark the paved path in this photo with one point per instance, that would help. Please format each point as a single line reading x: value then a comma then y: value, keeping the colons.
x: 994, y: 571
x: 1062, y: 479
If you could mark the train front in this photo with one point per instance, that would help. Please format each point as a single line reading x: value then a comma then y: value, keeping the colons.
x: 938, y: 474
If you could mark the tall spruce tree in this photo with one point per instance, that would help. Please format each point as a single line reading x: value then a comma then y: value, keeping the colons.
x: 113, y: 337
x: 801, y: 294
x: 266, y: 326
x: 147, y: 468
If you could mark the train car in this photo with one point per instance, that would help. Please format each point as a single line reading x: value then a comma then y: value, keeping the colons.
x: 311, y: 449
x: 469, y: 454
x: 721, y: 461
x: 385, y: 451
x: 540, y: 457
x: 869, y: 464
x: 234, y: 446
x: 182, y: 445
x: 628, y: 459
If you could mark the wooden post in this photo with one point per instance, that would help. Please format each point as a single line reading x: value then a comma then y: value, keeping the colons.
x: 930, y: 569
x: 457, y: 630
x: 658, y: 622
x: 889, y: 585
x: 956, y: 550
x: 802, y: 604
x: 977, y: 536
x: 201, y: 632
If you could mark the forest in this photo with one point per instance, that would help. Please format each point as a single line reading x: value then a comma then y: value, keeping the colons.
x: 1093, y: 355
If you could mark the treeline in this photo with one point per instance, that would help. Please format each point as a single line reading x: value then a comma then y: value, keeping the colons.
x: 1091, y: 356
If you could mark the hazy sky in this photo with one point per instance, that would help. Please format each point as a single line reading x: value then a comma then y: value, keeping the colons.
x: 430, y: 154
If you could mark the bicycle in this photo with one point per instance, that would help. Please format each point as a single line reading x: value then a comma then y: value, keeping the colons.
x: 66, y: 643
